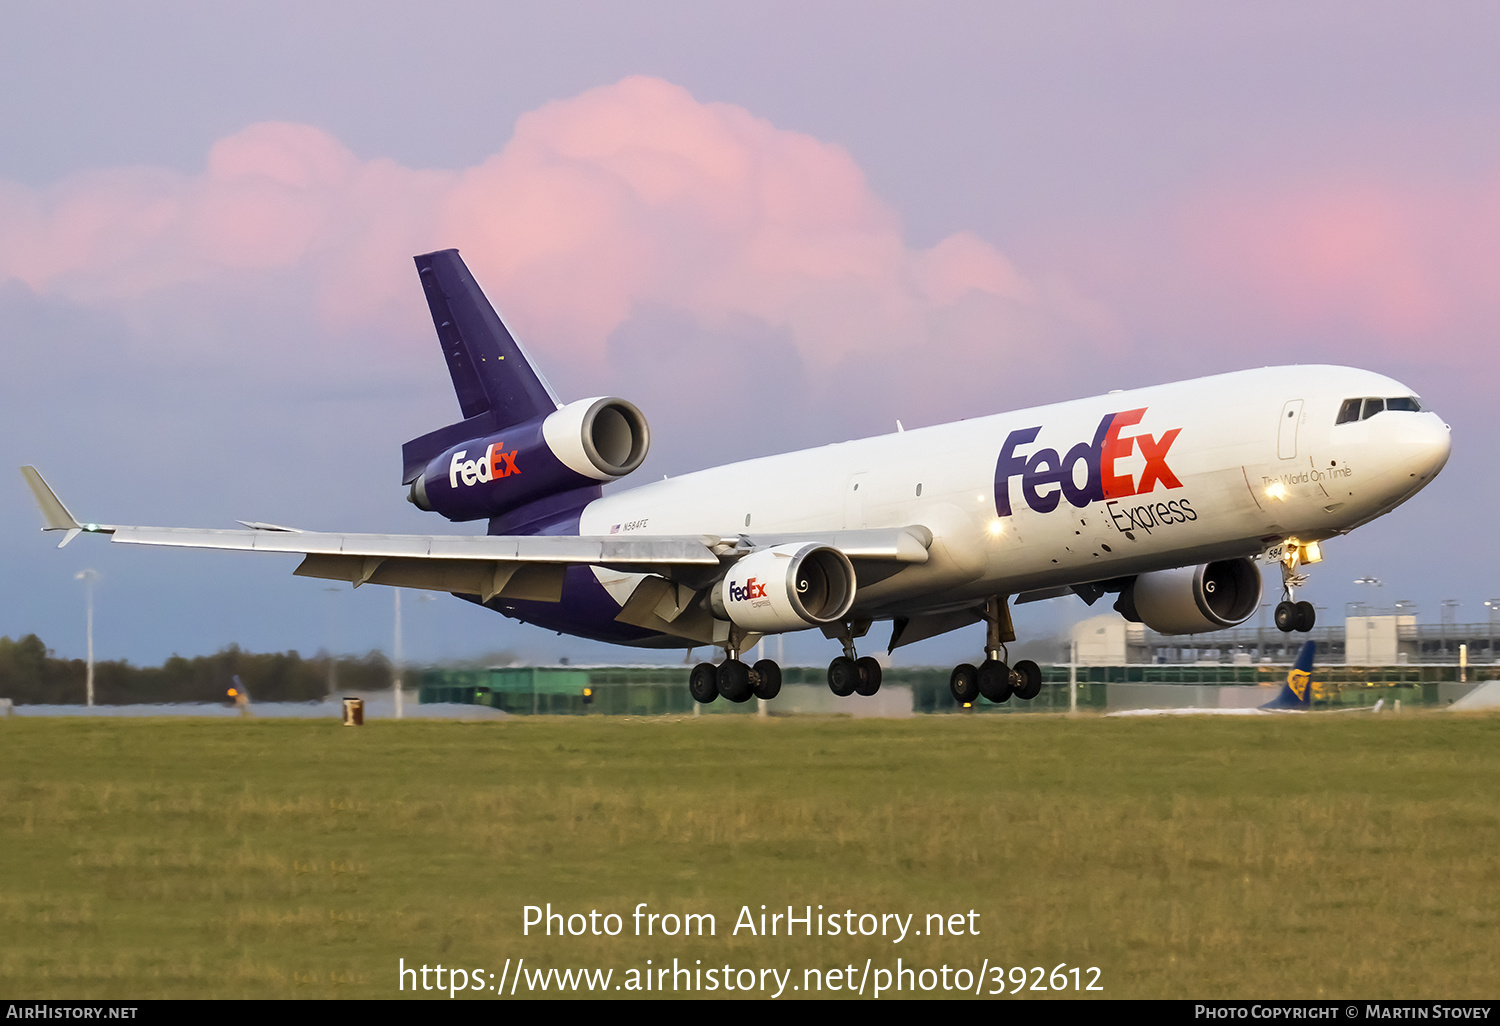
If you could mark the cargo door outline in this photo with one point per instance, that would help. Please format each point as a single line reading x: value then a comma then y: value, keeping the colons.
x: 1286, y: 433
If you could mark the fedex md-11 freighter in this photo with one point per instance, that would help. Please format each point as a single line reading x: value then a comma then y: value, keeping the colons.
x: 1165, y: 497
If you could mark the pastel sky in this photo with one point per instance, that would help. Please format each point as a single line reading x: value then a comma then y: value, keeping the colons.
x: 769, y: 226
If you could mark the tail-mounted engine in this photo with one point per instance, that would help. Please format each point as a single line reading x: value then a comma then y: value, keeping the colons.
x: 1193, y: 599
x: 583, y: 443
x: 786, y: 588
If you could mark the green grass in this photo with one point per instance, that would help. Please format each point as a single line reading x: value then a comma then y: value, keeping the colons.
x: 1335, y: 856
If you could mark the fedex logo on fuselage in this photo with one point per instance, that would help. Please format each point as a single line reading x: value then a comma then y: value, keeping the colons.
x: 749, y: 590
x: 496, y: 463
x: 1047, y: 477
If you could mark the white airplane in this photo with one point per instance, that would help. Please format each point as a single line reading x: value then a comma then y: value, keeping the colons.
x: 1164, y: 496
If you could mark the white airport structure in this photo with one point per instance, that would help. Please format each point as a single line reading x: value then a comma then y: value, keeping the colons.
x: 1365, y: 638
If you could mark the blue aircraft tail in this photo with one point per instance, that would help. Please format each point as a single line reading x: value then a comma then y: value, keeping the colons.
x: 1296, y: 693
x: 496, y: 384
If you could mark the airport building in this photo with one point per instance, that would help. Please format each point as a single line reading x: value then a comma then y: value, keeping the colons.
x: 1370, y: 657
x: 1365, y: 638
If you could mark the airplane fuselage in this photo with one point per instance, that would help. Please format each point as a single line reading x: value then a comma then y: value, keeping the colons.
x: 1088, y: 490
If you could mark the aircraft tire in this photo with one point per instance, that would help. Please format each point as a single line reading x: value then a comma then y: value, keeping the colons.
x: 1286, y: 617
x: 1306, y: 617
x: 843, y: 676
x: 703, y: 683
x: 869, y: 676
x: 963, y: 684
x: 994, y: 680
x: 734, y: 681
x: 765, y: 679
x: 1030, y: 679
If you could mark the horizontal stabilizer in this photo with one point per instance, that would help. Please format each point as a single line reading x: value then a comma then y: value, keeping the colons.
x: 417, y: 453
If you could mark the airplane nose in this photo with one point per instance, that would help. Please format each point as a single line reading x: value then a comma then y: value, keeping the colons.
x: 1428, y: 444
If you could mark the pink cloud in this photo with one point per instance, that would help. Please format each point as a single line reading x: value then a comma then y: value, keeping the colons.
x: 630, y: 195
x: 1398, y: 265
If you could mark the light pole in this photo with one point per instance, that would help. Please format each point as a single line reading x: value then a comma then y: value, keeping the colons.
x: 423, y: 598
x: 333, y: 659
x: 1449, y: 605
x: 396, y: 654
x: 88, y: 577
x: 1493, y: 605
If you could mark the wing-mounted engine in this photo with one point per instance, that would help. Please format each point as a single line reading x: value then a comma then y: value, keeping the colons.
x: 785, y: 588
x: 583, y: 443
x: 1193, y: 599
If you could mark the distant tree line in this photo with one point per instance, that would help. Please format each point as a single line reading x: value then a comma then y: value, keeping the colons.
x: 31, y: 674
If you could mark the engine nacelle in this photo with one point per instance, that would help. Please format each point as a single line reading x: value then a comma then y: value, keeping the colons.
x: 786, y: 588
x: 1193, y: 599
x: 583, y: 443
x: 603, y: 439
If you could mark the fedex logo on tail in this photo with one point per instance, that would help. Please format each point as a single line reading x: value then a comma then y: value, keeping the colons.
x: 496, y: 463
x: 1047, y: 477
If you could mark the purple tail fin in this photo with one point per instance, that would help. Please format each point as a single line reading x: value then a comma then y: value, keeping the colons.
x: 496, y: 384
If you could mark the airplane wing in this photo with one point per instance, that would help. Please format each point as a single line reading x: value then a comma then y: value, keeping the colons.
x: 511, y: 566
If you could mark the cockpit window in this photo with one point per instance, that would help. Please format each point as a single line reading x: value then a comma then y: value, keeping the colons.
x: 1365, y: 408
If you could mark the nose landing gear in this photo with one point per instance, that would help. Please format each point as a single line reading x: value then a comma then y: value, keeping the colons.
x: 1290, y: 614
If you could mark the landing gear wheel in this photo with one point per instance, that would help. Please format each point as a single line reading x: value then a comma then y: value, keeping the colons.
x: 734, y: 680
x: 843, y: 676
x: 765, y: 678
x: 1286, y: 617
x: 1030, y: 683
x: 994, y: 680
x: 703, y: 683
x: 1306, y: 617
x: 869, y: 676
x: 963, y: 684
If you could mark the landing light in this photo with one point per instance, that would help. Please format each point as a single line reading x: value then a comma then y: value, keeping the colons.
x: 1312, y: 552
x: 997, y: 527
x: 1276, y: 490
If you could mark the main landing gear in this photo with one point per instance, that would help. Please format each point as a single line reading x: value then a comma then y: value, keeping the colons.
x: 850, y: 673
x: 993, y: 679
x: 1290, y: 614
x: 733, y: 679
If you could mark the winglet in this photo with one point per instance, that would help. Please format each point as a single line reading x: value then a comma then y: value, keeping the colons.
x: 54, y: 512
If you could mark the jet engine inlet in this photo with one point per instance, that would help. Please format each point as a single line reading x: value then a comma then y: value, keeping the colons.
x: 786, y: 588
x: 601, y: 439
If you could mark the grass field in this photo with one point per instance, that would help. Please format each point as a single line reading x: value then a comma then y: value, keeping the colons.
x: 1339, y: 856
